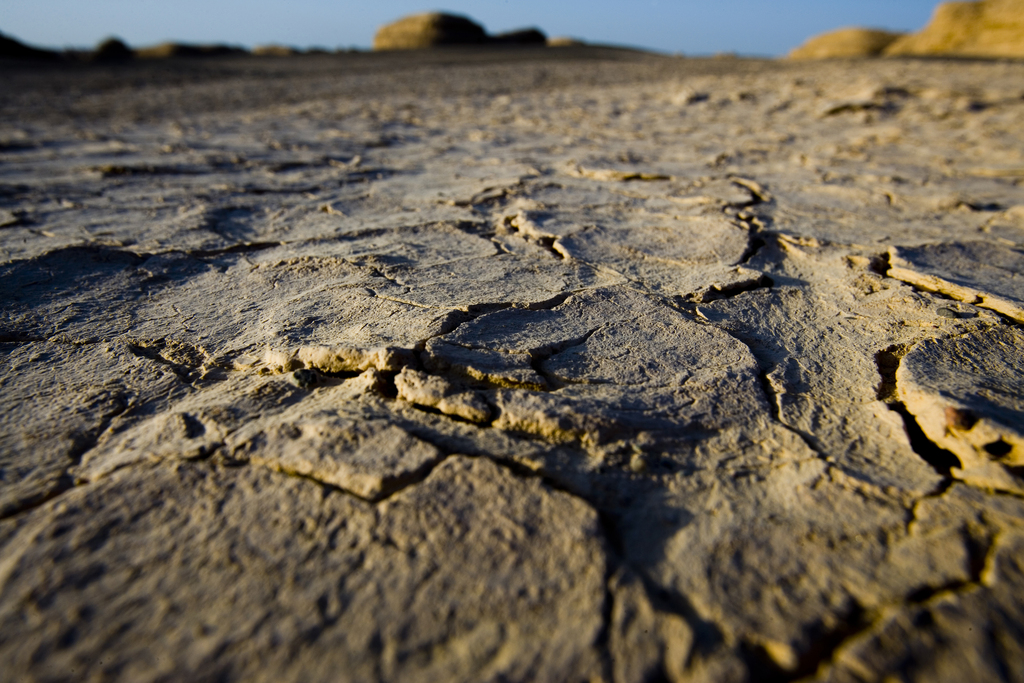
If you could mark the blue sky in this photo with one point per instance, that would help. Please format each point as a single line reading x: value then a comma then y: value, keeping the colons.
x: 753, y: 27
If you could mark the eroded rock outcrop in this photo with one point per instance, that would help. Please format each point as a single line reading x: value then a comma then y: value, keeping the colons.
x: 432, y: 29
x: 437, y: 29
x: 11, y: 48
x: 166, y: 50
x: 846, y: 42
x: 275, y: 51
x: 113, y: 50
x: 985, y: 28
x: 523, y: 36
x: 982, y: 28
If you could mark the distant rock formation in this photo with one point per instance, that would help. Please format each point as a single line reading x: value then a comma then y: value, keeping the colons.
x: 437, y: 29
x: 989, y: 28
x: 986, y: 28
x: 275, y: 51
x: 13, y: 49
x: 846, y: 42
x: 525, y: 36
x: 165, y: 50
x: 564, y: 41
x: 429, y: 30
x: 112, y: 50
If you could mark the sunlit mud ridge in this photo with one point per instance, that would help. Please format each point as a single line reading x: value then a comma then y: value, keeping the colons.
x: 570, y: 365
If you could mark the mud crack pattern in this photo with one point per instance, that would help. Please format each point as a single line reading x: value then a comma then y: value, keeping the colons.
x: 588, y: 365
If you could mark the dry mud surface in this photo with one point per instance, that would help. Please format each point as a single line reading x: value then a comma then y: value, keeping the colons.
x: 578, y: 365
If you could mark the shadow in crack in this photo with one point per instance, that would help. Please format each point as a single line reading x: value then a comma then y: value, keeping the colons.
x: 939, y: 458
x: 888, y: 362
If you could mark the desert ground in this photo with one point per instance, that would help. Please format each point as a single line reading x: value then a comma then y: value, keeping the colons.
x: 547, y: 364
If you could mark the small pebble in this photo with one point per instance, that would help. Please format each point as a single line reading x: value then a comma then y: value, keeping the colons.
x: 638, y: 463
x: 947, y: 313
x: 306, y: 379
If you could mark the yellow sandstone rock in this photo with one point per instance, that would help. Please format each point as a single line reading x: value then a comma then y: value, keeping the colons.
x: 989, y: 28
x: 428, y: 30
x: 846, y: 42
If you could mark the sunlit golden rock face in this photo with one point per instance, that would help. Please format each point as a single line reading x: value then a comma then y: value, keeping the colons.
x: 990, y: 28
x: 428, y: 30
x: 846, y: 42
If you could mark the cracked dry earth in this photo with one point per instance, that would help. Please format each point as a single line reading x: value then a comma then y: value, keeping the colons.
x: 558, y: 366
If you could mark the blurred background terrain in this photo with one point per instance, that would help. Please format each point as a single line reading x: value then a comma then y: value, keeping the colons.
x: 745, y: 27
